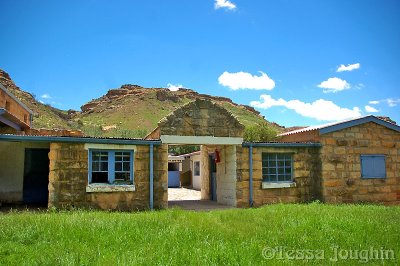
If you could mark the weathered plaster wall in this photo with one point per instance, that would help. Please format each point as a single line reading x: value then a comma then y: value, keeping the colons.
x: 69, y: 177
x: 307, y: 175
x: 12, y: 158
x: 341, y: 167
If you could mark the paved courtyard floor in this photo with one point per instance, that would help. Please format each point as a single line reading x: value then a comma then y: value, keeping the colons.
x: 190, y: 199
x: 183, y: 194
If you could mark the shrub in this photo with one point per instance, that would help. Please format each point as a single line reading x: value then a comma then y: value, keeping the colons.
x: 261, y: 132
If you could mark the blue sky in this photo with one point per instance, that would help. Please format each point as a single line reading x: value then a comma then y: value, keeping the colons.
x: 297, y: 62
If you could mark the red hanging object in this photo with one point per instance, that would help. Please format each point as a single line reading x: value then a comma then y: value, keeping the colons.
x: 217, y: 158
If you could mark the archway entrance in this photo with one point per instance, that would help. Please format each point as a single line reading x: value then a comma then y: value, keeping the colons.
x: 217, y: 132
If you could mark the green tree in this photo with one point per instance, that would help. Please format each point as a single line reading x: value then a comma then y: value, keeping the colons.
x: 261, y: 132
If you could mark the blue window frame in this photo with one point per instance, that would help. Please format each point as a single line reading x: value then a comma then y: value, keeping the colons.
x: 277, y: 167
x: 111, y: 166
x: 373, y: 166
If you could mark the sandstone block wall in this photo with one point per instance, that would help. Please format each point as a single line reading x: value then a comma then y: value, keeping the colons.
x: 341, y: 166
x: 307, y: 175
x: 69, y: 177
x: 200, y: 118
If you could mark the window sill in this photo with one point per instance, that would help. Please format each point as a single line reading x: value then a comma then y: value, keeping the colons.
x: 109, y: 188
x: 268, y: 185
x: 373, y: 177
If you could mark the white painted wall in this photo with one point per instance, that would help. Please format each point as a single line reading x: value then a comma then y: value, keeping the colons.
x: 196, y: 180
x: 226, y: 176
x: 12, y: 156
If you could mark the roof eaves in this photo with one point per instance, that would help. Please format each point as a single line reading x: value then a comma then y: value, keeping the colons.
x: 356, y: 122
x: 78, y: 140
x: 283, y: 144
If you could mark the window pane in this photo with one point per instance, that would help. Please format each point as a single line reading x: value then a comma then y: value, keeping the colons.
x: 127, y: 166
x: 118, y: 166
x: 281, y: 156
x: 99, y: 177
x: 122, y: 177
x: 104, y: 166
x: 95, y: 166
x: 271, y: 171
x: 277, y: 167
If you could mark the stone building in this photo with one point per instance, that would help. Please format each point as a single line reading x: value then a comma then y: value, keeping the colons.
x: 360, y: 159
x: 352, y: 161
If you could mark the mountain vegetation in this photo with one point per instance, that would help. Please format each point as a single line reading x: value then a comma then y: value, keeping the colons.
x: 128, y: 111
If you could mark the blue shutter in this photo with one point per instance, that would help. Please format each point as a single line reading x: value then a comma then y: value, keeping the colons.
x: 90, y: 166
x: 111, y: 167
x: 131, y: 169
x: 373, y: 166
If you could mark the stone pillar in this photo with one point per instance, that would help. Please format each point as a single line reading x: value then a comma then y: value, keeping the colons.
x: 161, y: 176
x: 205, y: 173
x: 226, y: 176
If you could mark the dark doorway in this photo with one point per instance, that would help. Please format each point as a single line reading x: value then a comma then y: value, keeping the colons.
x: 36, y: 176
x: 213, y: 177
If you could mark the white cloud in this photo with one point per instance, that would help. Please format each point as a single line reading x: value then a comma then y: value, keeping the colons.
x: 392, y: 102
x: 46, y: 96
x: 173, y: 87
x: 224, y: 4
x: 349, y: 67
x: 334, y: 85
x: 320, y: 109
x: 370, y: 109
x: 389, y: 101
x: 243, y: 80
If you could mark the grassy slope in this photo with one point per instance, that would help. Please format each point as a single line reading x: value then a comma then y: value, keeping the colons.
x: 130, y: 113
x: 179, y: 237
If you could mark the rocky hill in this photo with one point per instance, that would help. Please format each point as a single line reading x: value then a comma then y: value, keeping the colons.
x: 129, y: 111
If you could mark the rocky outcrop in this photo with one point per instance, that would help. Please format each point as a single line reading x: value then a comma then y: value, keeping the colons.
x: 162, y: 95
x: 165, y: 95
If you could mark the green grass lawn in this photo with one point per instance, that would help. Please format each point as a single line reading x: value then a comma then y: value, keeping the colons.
x: 171, y: 237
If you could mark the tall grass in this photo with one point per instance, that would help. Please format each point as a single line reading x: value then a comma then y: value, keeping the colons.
x: 176, y: 237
